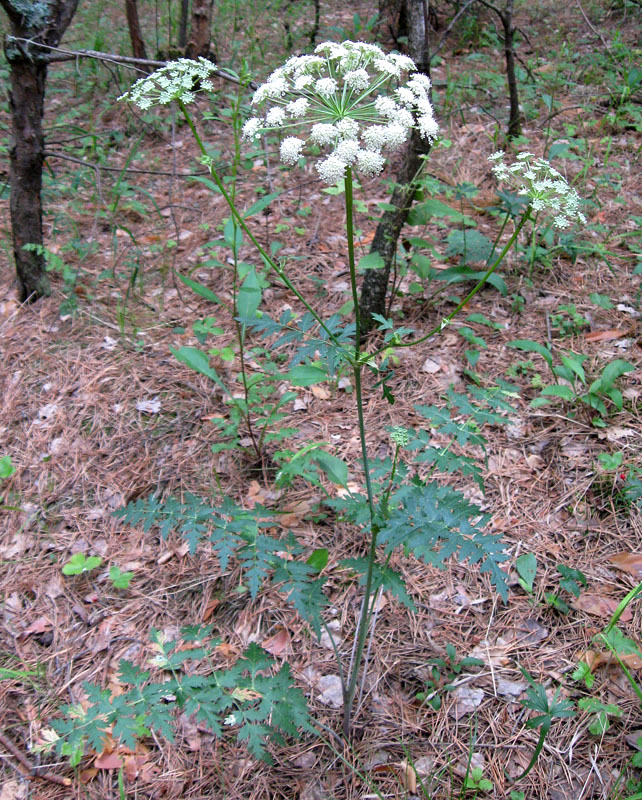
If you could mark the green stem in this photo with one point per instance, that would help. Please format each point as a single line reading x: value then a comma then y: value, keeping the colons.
x: 470, y: 295
x: 351, y: 688
x: 269, y: 261
x: 351, y: 262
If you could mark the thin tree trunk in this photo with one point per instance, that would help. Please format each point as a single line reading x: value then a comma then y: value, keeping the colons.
x: 182, y: 25
x: 133, y: 23
x: 26, y: 103
x: 40, y: 23
x: 201, y: 29
x: 514, y: 121
x: 375, y: 281
x: 506, y: 17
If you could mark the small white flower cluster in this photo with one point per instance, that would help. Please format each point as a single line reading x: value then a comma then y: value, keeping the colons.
x: 547, y: 188
x: 345, y: 93
x: 175, y: 81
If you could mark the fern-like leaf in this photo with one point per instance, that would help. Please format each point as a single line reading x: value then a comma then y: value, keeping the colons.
x: 435, y: 522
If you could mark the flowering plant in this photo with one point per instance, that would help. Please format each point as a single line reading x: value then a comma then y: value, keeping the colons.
x: 175, y: 81
x: 351, y: 101
x: 348, y: 96
x: 547, y: 188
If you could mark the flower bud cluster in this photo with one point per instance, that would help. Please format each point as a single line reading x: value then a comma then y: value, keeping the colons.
x: 347, y: 98
x: 175, y: 81
x: 547, y: 188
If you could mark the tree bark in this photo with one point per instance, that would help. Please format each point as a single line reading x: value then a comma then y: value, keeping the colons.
x: 41, y: 23
x: 135, y: 35
x: 200, y: 35
x: 514, y: 121
x: 506, y: 17
x: 182, y: 25
x: 26, y: 103
x: 375, y: 281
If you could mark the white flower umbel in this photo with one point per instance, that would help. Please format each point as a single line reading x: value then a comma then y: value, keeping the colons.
x: 547, y: 188
x: 346, y: 99
x: 175, y: 81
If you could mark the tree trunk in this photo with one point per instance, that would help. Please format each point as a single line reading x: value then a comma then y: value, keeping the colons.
x: 514, y: 121
x: 200, y: 35
x: 505, y: 15
x: 38, y: 23
x: 133, y: 23
x: 182, y: 25
x: 26, y: 103
x: 375, y: 281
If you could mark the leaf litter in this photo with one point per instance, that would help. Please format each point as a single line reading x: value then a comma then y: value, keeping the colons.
x: 134, y: 445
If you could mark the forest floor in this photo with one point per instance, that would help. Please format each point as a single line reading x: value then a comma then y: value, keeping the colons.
x: 96, y: 412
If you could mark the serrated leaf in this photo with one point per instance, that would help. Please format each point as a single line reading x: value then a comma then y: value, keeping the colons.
x: 462, y: 274
x: 197, y: 360
x: 434, y: 522
x: 383, y: 577
x: 471, y: 244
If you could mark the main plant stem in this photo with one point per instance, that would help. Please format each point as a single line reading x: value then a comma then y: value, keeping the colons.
x: 350, y: 689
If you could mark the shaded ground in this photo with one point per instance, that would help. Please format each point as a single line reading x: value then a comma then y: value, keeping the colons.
x: 96, y: 412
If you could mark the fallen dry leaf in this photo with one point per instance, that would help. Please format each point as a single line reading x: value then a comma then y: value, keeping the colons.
x: 331, y: 691
x: 467, y: 699
x: 408, y: 776
x: 600, y: 606
x: 227, y: 650
x: 12, y: 790
x: 605, y: 336
x: 321, y: 393
x: 41, y: 625
x: 87, y: 775
x: 628, y: 562
x: 527, y: 631
x: 596, y: 660
x: 276, y: 644
x: 211, y: 606
x: 493, y: 655
x: 108, y: 760
x: 511, y: 689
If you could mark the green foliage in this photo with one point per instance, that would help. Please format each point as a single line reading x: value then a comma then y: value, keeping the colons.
x: 578, y: 388
x: 434, y: 522
x: 476, y: 782
x: 79, y: 564
x: 568, y: 321
x: 6, y: 468
x: 461, y: 420
x: 120, y: 580
x: 443, y: 672
x: 547, y: 711
x: 54, y: 263
x: 571, y: 580
x: 526, y: 566
x: 600, y: 713
x: 234, y: 532
x: 252, y: 698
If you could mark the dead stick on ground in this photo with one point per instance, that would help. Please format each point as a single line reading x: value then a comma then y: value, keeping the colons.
x: 34, y: 772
